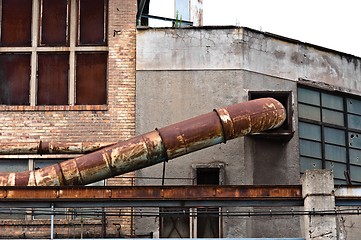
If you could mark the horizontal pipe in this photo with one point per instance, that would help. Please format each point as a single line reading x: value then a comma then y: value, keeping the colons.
x: 51, y: 147
x: 157, y: 146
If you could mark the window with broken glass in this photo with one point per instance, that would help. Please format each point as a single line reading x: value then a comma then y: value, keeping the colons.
x: 53, y: 52
x: 330, y: 133
x: 202, y: 222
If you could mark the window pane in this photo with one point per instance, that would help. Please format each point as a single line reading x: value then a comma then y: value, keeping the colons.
x: 354, y: 140
x: 355, y: 156
x: 92, y: 24
x: 46, y: 162
x: 355, y: 173
x: 308, y: 96
x: 310, y: 163
x: 354, y: 106
x: 91, y: 72
x: 335, y: 153
x: 45, y: 213
x: 53, y: 79
x: 14, y: 165
x: 12, y: 213
x: 310, y: 149
x: 14, y: 79
x: 182, y: 9
x: 309, y: 131
x: 54, y: 22
x: 309, y: 112
x: 335, y: 136
x: 338, y: 169
x: 16, y: 23
x: 340, y: 182
x: 207, y: 222
x: 332, y: 117
x: 81, y: 213
x: 208, y: 176
x: 332, y: 101
x: 354, y: 121
x: 174, y: 223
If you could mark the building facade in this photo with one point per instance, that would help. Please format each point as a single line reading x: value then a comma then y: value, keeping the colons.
x: 67, y: 74
x: 184, y: 72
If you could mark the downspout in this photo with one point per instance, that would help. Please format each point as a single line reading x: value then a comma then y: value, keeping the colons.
x: 157, y: 146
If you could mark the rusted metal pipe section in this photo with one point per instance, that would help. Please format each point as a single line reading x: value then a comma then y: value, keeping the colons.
x: 46, y: 147
x: 157, y: 146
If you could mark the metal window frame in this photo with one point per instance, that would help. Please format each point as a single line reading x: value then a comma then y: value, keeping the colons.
x: 323, y: 125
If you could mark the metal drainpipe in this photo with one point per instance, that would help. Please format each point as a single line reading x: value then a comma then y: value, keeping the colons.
x: 52, y: 222
x: 157, y: 146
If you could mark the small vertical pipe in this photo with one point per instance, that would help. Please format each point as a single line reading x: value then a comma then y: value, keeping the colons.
x: 163, y: 175
x: 52, y: 222
x: 104, y: 224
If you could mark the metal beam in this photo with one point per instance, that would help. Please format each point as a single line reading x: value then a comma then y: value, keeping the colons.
x: 151, y: 196
x: 348, y: 196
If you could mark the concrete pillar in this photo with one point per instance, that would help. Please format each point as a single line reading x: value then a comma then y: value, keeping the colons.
x: 317, y: 191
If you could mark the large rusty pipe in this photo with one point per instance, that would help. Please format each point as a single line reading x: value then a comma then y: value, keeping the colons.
x: 51, y: 147
x: 157, y: 146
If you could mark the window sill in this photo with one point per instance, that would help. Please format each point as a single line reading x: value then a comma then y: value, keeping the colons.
x: 55, y: 108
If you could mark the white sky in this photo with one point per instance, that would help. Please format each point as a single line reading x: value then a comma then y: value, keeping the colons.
x: 334, y: 24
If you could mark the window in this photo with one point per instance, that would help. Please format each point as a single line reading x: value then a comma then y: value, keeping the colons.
x: 53, y: 52
x: 208, y: 221
x: 330, y: 133
x: 202, y: 222
x: 174, y: 223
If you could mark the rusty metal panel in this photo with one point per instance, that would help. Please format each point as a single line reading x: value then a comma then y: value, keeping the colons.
x: 158, y: 193
x: 14, y: 79
x: 16, y: 23
x: 53, y: 79
x: 91, y: 78
x: 92, y: 22
x: 54, y: 22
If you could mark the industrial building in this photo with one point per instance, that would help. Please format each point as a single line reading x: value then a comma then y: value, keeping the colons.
x: 203, y: 68
x: 101, y: 80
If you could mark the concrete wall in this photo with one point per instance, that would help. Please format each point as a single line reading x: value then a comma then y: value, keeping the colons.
x: 182, y: 73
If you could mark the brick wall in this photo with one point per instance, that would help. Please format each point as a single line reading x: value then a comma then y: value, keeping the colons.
x: 92, y: 123
x: 64, y: 228
x: 110, y: 123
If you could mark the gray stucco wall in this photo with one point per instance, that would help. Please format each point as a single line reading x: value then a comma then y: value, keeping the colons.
x: 182, y: 73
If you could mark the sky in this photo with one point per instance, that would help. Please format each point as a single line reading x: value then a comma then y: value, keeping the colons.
x: 328, y: 23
